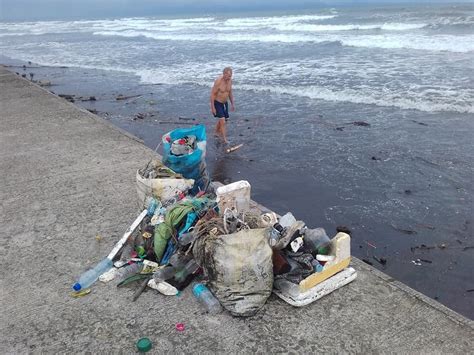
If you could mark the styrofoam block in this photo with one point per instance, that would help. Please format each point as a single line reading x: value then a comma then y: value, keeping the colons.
x: 292, y: 295
x: 234, y: 196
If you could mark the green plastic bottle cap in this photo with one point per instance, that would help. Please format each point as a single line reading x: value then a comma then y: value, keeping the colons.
x: 144, y: 345
x: 323, y: 250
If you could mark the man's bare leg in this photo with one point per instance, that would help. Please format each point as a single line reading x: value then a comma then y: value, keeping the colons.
x: 223, y: 129
x: 217, y: 130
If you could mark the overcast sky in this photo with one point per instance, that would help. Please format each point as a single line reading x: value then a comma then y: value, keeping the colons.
x: 70, y: 9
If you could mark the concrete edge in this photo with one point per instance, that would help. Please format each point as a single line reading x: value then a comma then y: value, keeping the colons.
x: 453, y: 315
x: 90, y: 114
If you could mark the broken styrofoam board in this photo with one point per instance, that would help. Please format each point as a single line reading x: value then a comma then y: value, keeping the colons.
x: 300, y: 299
x: 341, y: 253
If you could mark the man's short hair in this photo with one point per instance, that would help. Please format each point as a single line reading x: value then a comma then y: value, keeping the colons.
x: 226, y: 69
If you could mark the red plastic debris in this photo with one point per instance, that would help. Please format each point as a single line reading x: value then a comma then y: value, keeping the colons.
x: 200, y: 193
x: 180, y: 327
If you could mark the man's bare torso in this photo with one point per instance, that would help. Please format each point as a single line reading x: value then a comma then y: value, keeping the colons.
x: 223, y: 88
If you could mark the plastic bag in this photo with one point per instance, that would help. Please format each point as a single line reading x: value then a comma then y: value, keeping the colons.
x: 239, y: 267
x: 193, y: 165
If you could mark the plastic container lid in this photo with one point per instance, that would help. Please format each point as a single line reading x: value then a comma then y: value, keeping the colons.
x: 144, y: 345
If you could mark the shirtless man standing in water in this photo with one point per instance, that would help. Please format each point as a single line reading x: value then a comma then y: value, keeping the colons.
x: 221, y: 93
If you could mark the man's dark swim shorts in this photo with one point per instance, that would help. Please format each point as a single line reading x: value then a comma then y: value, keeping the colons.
x: 222, y: 110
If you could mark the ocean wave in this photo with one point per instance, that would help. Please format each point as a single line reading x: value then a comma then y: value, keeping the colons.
x: 247, y: 22
x: 363, y: 97
x: 451, y: 43
x: 235, y: 37
x: 148, y: 23
x: 349, y: 27
x: 427, y: 98
x: 182, y: 27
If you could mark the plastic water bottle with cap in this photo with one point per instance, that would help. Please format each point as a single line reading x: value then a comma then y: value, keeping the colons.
x: 91, y: 276
x: 207, y: 299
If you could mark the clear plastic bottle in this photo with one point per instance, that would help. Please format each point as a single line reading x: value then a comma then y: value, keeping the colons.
x: 152, y: 206
x: 188, y: 269
x: 164, y: 274
x: 187, y: 238
x: 315, y: 239
x: 179, y: 260
x: 127, y: 251
x: 129, y: 270
x: 207, y: 299
x: 91, y: 276
x: 275, y: 234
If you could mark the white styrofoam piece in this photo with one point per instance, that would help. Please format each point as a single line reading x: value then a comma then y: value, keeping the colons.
x: 234, y: 196
x: 300, y: 299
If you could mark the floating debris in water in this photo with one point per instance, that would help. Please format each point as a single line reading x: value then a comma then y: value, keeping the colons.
x: 343, y: 229
x: 361, y: 124
x: 367, y: 261
x: 382, y: 261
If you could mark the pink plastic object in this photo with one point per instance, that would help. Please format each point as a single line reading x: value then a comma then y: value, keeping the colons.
x: 180, y: 327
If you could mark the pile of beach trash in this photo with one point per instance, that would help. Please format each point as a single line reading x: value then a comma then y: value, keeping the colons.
x: 215, y: 239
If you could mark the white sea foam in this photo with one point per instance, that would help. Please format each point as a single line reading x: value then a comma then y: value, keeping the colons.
x: 451, y: 43
x: 268, y: 21
x: 302, y: 27
x: 284, y: 29
x: 235, y: 37
x: 426, y: 98
x: 402, y: 26
x: 361, y: 97
x: 318, y: 79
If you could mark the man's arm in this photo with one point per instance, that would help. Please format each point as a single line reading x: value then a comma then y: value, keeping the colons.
x: 231, y: 98
x: 213, y: 97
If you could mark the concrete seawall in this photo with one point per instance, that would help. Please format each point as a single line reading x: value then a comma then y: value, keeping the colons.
x: 68, y: 176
